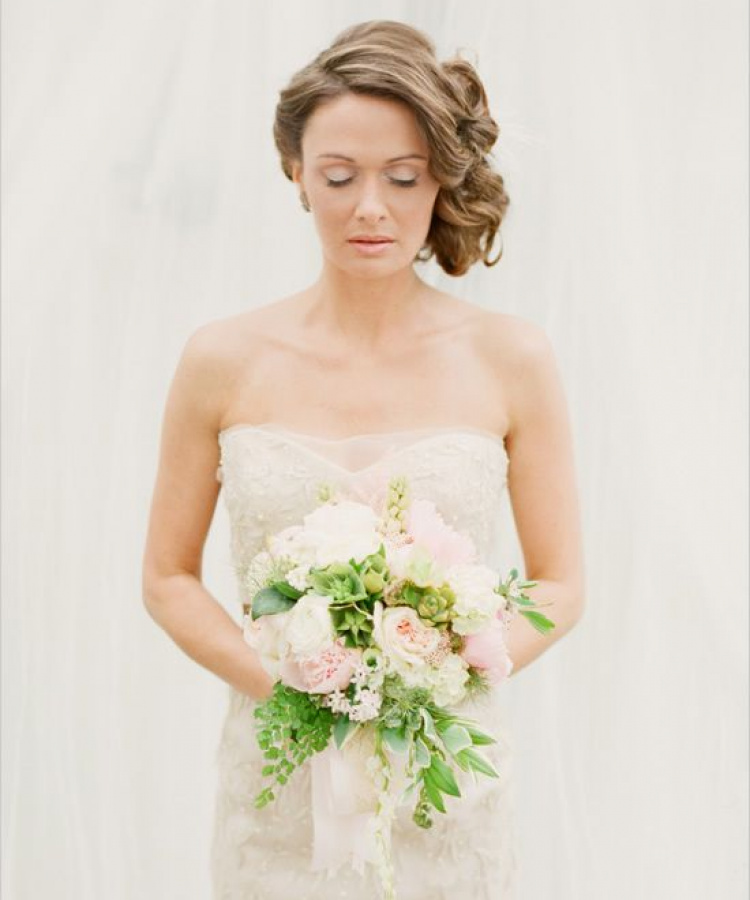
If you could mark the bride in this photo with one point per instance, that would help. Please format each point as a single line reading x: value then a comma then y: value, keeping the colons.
x: 366, y: 368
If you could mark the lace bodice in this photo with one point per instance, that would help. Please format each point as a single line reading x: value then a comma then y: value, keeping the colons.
x: 272, y: 476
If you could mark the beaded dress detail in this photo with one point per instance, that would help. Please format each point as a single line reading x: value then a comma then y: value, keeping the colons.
x: 271, y: 478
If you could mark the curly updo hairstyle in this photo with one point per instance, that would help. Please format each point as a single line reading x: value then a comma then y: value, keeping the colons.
x: 392, y: 60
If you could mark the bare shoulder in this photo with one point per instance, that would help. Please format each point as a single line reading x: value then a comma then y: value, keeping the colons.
x: 220, y: 346
x: 513, y: 342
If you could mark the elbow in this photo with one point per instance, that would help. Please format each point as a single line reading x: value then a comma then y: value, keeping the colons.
x: 154, y: 589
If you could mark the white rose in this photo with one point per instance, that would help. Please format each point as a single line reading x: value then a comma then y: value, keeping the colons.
x: 404, y: 638
x: 267, y: 636
x: 477, y: 602
x: 310, y: 629
x: 339, y: 531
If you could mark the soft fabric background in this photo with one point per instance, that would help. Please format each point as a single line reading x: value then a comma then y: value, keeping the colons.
x: 143, y: 197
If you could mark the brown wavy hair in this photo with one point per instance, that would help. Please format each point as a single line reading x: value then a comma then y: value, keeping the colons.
x: 395, y: 61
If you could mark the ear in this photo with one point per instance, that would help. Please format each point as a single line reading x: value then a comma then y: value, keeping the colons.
x: 297, y: 172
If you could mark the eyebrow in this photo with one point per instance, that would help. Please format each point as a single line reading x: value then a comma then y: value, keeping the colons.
x: 393, y: 160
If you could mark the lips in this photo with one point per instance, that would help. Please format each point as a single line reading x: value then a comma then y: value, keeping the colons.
x: 371, y: 240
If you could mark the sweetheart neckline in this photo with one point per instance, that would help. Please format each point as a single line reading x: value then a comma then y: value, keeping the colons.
x: 426, y: 430
x: 429, y: 433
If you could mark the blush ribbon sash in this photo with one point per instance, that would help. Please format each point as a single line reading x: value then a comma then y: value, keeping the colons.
x: 344, y: 803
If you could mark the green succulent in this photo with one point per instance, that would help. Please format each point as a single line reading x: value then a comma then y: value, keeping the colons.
x: 374, y: 572
x: 435, y: 606
x: 353, y: 624
x: 339, y: 581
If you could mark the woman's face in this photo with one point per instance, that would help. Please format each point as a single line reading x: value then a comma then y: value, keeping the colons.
x: 365, y: 172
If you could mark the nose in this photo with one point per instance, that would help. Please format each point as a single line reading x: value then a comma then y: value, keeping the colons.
x: 370, y: 205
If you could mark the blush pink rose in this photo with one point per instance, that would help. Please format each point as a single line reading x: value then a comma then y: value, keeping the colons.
x: 327, y: 671
x: 428, y: 528
x: 486, y: 650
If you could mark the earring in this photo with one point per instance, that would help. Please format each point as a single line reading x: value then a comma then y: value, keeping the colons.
x: 304, y: 201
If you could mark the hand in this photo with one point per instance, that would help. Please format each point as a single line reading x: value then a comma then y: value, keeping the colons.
x: 264, y: 686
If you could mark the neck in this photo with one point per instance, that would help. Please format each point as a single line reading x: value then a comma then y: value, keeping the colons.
x: 368, y: 312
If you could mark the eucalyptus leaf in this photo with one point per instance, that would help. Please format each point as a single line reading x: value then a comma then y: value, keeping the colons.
x: 268, y: 601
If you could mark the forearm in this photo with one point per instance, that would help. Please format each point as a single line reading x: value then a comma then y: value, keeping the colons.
x: 202, y: 628
x: 523, y: 641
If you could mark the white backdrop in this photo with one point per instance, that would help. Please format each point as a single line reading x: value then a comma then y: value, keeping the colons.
x: 142, y: 197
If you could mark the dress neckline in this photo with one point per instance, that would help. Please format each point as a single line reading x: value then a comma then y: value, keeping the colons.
x: 401, y: 432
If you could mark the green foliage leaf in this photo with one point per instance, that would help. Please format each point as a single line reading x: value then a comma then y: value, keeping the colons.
x: 396, y: 738
x: 269, y: 601
x: 477, y: 736
x: 442, y: 775
x: 539, y: 621
x: 428, y: 723
x: 422, y: 755
x: 283, y: 587
x: 342, y: 728
x: 291, y: 726
x: 433, y: 794
x: 456, y: 738
x: 472, y: 760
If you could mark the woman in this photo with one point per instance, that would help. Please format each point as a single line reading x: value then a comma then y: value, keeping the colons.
x: 368, y: 370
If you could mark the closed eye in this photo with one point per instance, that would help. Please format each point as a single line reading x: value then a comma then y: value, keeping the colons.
x: 401, y: 182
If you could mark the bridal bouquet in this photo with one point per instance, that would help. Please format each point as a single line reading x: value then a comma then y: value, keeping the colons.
x: 375, y: 623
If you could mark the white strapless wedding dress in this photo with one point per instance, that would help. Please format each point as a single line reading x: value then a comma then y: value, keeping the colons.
x: 271, y: 477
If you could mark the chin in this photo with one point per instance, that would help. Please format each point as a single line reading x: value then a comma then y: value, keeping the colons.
x: 371, y: 268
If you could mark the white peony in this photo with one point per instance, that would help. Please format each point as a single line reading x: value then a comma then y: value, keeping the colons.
x: 477, y: 602
x: 293, y: 543
x: 413, y: 562
x: 406, y: 641
x: 310, y: 628
x: 267, y: 636
x: 336, y: 532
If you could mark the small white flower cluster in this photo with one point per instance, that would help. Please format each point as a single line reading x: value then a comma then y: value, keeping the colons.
x: 397, y: 500
x: 367, y: 681
x: 441, y: 652
x: 256, y: 574
x: 380, y: 773
x: 298, y: 577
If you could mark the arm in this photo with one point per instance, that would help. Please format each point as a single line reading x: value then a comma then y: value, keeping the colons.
x: 182, y: 508
x: 543, y: 494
